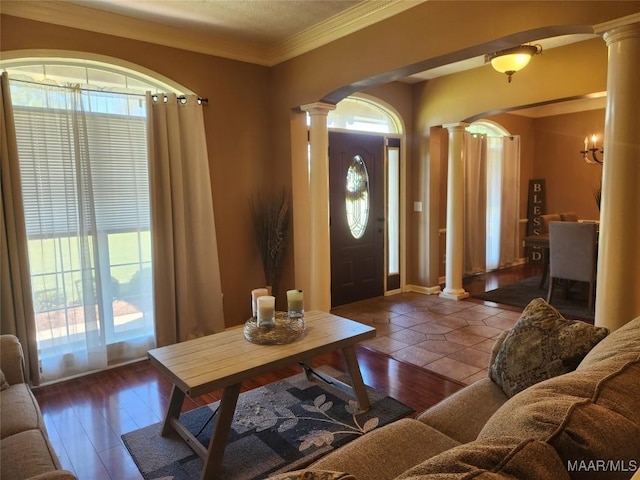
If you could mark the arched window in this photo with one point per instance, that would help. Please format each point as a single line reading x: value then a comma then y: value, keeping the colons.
x: 99, y: 73
x: 488, y: 128
x: 82, y: 151
x: 363, y: 114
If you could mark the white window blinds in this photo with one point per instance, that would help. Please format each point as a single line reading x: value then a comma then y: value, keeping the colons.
x: 113, y: 132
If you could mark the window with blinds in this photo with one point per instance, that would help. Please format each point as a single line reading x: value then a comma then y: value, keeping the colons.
x: 84, y: 174
x: 118, y: 160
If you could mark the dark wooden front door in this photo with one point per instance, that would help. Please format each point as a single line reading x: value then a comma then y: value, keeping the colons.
x: 356, y: 176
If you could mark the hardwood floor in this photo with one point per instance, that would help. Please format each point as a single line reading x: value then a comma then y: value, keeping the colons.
x: 86, y: 416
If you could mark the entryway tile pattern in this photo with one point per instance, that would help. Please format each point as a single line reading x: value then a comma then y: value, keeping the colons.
x: 452, y: 338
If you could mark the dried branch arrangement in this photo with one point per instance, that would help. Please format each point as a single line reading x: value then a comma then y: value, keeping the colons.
x: 270, y: 214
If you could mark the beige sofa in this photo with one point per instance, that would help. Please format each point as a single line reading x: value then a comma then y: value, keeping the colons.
x: 25, y: 450
x: 516, y: 424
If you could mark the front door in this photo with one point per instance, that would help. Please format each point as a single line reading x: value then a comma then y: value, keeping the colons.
x: 356, y: 185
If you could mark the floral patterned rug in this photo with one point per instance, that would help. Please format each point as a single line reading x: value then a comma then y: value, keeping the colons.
x: 279, y: 427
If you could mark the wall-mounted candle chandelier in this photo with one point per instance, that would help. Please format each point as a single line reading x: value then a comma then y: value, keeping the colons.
x: 594, y: 151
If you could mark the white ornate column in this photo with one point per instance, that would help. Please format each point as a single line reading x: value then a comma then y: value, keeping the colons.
x: 319, y: 295
x: 618, y: 281
x: 455, y: 213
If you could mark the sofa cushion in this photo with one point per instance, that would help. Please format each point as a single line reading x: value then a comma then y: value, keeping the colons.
x: 625, y: 341
x: 386, y: 452
x: 462, y: 415
x: 496, y: 458
x: 590, y: 415
x: 19, y: 411
x: 542, y: 344
x: 11, y: 359
x: 26, y: 454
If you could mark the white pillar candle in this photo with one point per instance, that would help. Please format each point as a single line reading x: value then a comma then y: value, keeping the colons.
x: 295, y: 303
x: 258, y: 292
x: 266, y: 311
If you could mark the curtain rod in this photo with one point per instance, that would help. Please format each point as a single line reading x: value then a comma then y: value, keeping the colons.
x: 182, y: 98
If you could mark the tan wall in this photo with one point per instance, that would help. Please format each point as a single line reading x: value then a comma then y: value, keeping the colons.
x: 252, y: 109
x: 570, y: 181
x: 236, y: 122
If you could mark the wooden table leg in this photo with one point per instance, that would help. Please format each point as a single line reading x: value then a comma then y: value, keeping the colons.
x: 218, y: 442
x: 173, y: 411
x: 356, y: 377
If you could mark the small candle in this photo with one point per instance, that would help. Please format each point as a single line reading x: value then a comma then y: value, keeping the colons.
x: 586, y: 143
x: 295, y: 303
x: 593, y: 140
x: 258, y: 292
x: 266, y: 311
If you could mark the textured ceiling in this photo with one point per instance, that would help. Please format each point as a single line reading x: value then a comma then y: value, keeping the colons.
x: 259, y: 31
x: 265, y: 32
x: 258, y: 21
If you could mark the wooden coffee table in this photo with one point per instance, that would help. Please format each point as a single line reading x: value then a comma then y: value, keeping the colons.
x: 223, y: 360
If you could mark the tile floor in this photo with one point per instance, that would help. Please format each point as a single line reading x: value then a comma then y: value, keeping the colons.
x: 452, y: 338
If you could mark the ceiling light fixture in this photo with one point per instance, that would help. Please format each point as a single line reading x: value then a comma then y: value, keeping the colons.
x: 512, y: 60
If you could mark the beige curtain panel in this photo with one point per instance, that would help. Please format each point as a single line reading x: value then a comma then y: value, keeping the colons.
x: 16, y: 305
x: 187, y: 288
x: 510, y: 227
x: 475, y: 203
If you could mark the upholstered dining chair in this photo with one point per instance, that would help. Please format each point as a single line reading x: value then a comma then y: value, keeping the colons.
x: 544, y: 230
x: 572, y: 255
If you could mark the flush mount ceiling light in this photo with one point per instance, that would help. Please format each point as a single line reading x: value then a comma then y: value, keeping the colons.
x: 512, y: 60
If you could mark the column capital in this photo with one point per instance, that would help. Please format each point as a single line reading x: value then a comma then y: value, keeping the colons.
x: 628, y: 21
x: 622, y: 32
x: 318, y: 108
x: 455, y: 126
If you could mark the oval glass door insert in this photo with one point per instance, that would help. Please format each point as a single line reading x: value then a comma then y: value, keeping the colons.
x: 357, y: 197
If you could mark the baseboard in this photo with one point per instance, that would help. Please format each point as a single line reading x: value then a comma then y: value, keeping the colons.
x: 424, y: 290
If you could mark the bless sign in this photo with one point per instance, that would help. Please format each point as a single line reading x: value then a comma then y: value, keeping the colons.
x: 536, y: 207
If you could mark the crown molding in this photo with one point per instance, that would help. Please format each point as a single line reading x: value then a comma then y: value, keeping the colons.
x: 617, y: 23
x: 85, y: 18
x: 350, y: 21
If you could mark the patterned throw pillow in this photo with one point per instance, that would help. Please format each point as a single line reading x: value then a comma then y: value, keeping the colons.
x: 3, y: 381
x: 312, y: 474
x: 541, y: 345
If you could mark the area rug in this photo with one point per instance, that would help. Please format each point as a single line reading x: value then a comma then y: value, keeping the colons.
x: 279, y: 427
x: 519, y: 294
